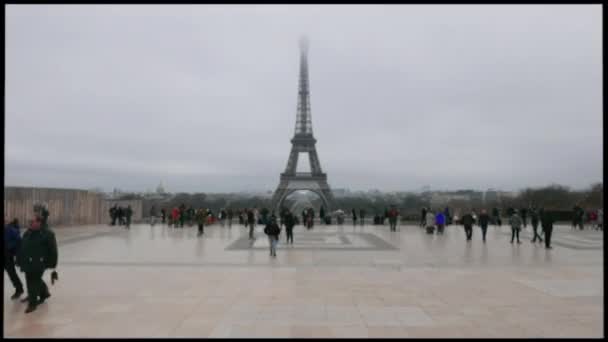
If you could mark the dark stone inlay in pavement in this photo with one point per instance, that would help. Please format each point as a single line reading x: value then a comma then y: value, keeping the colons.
x: 375, y: 242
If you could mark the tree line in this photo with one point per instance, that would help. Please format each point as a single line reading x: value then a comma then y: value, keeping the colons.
x: 554, y: 197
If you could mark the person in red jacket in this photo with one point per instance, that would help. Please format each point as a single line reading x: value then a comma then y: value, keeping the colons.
x: 175, y: 216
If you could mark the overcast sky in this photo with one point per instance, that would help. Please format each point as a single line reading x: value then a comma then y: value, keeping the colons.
x: 204, y: 98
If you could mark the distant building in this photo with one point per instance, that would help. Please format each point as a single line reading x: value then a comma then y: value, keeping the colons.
x: 160, y: 189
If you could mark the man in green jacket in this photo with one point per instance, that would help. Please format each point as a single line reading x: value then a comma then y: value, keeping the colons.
x: 128, y: 214
x: 37, y: 253
x: 201, y: 216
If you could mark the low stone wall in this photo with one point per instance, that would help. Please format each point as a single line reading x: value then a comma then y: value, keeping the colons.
x: 67, y: 207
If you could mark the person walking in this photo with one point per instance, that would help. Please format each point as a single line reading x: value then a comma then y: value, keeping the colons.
x: 534, y: 220
x: 362, y: 215
x: 120, y: 212
x: 273, y: 230
x: 152, y: 216
x: 12, y: 244
x: 524, y: 215
x: 392, y: 218
x: 163, y: 215
x: 354, y: 217
x: 229, y: 215
x: 241, y: 219
x: 484, y: 220
x: 515, y: 221
x: 128, y: 213
x: 175, y: 216
x: 440, y: 221
x: 467, y: 222
x: 547, y: 224
x: 600, y: 219
x: 251, y: 222
x: 113, y: 214
x: 182, y: 215
x: 430, y: 222
x: 290, y: 222
x: 38, y: 252
x: 322, y: 215
x: 201, y: 216
x: 423, y: 218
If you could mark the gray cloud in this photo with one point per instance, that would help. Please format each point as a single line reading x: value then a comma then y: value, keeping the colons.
x: 204, y: 97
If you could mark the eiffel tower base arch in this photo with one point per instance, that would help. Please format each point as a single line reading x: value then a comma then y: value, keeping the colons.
x: 289, y: 185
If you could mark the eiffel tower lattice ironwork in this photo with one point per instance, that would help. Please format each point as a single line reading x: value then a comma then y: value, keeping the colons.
x: 303, y: 142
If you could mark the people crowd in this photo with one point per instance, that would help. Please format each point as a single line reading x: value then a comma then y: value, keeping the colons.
x: 122, y: 215
x: 35, y: 251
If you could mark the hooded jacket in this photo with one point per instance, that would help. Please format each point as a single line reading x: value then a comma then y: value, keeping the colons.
x: 515, y: 221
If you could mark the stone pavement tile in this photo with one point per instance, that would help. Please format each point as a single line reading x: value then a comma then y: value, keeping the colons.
x: 441, y: 332
x: 192, y: 329
x: 318, y: 331
x: 37, y: 330
x: 352, y: 331
x: 343, y: 316
x: 340, y: 300
x: 387, y: 331
x: 369, y: 301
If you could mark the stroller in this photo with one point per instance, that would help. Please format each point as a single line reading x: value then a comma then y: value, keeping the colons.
x: 430, y: 229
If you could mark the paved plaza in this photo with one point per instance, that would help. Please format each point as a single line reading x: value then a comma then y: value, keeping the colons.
x: 332, y: 282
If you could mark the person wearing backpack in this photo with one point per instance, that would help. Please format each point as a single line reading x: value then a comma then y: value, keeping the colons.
x: 273, y: 230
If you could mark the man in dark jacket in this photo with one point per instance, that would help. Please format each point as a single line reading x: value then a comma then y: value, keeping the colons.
x: 524, y: 215
x: 423, y: 217
x: 484, y: 219
x: 113, y: 214
x: 251, y: 222
x: 37, y: 253
x: 120, y: 213
x: 273, y: 230
x: 547, y: 224
x: 12, y: 243
x: 322, y: 214
x: 182, y: 215
x: 534, y: 219
x: 467, y: 222
x: 128, y: 213
x: 290, y: 222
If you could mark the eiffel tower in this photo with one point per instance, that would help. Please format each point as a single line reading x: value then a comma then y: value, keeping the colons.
x: 303, y: 142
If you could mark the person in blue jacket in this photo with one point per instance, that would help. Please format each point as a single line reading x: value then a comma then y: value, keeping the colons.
x: 12, y: 242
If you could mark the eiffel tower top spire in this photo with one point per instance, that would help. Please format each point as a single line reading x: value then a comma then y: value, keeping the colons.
x: 303, y: 119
